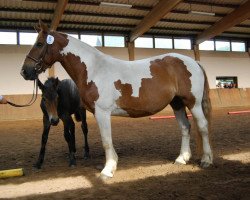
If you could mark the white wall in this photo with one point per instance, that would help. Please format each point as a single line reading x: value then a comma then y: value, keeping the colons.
x: 11, y: 60
x: 215, y: 64
x: 226, y: 64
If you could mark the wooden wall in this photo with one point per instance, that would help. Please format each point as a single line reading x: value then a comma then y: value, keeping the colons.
x: 219, y: 98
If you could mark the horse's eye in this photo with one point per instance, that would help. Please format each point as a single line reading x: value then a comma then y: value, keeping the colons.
x: 39, y: 44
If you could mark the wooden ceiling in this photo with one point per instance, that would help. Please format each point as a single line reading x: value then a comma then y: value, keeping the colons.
x: 225, y: 18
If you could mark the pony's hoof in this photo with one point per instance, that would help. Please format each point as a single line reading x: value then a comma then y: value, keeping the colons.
x: 37, y: 166
x: 86, y: 157
x: 205, y: 164
x: 72, y: 164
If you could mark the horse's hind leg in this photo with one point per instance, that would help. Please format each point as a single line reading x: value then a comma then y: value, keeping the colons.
x: 202, y: 125
x: 69, y: 137
x: 84, y: 127
x: 181, y: 117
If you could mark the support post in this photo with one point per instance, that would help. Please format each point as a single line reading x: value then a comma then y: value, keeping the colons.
x: 52, y: 71
x: 131, y: 51
x: 196, y: 52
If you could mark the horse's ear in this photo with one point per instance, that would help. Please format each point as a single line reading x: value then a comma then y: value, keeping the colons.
x: 40, y: 85
x: 37, y: 28
x: 43, y: 26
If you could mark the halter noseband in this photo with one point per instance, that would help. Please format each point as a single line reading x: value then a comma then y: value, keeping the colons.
x: 39, y: 62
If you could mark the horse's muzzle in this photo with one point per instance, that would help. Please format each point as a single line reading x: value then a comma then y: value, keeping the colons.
x: 29, y: 73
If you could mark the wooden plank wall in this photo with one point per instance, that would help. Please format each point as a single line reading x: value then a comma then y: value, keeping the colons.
x: 219, y: 98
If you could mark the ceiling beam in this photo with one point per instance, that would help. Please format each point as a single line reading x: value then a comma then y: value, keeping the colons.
x: 237, y: 16
x: 158, y: 11
x: 60, y: 7
x: 201, y: 2
x: 65, y: 23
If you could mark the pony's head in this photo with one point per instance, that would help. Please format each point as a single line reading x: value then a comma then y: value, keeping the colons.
x: 50, y: 98
x: 44, y: 53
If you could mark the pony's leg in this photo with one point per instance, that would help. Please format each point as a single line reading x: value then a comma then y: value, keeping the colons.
x: 46, y: 128
x: 104, y: 123
x: 84, y: 127
x: 68, y: 123
x: 185, y: 152
x: 72, y: 135
x: 202, y: 125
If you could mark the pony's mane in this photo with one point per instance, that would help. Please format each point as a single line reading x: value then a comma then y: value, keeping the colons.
x: 49, y: 82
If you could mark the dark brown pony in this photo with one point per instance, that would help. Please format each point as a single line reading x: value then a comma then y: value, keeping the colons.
x: 60, y: 99
x: 109, y: 86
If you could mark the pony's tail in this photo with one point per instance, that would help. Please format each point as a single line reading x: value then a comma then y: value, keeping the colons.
x: 207, y: 110
x: 77, y: 116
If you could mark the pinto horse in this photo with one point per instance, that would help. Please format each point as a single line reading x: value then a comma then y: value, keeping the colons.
x: 60, y: 99
x: 112, y: 87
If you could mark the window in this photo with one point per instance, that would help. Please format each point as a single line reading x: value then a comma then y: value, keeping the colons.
x: 227, y: 82
x: 164, y: 43
x: 238, y: 46
x: 73, y: 35
x: 207, y: 45
x: 28, y: 38
x: 222, y: 45
x: 93, y: 40
x: 114, y: 41
x: 182, y: 43
x: 8, y: 38
x: 144, y: 42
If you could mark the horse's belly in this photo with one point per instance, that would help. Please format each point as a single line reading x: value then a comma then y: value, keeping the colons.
x: 137, y: 110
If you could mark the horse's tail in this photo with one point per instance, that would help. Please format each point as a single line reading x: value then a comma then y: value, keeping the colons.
x: 207, y: 110
x: 78, y: 116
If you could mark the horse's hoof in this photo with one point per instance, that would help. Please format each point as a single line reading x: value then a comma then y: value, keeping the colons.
x: 180, y: 161
x: 104, y: 177
x: 205, y: 164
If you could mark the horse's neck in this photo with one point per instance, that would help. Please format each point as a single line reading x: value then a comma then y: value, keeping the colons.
x: 77, y: 55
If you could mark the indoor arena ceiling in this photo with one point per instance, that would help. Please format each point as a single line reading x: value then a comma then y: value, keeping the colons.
x: 196, y: 18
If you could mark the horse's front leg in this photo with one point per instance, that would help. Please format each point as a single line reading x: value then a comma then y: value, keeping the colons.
x: 46, y: 128
x: 104, y: 123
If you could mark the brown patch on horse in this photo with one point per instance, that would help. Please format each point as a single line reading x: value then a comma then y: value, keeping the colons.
x: 78, y: 72
x: 170, y: 78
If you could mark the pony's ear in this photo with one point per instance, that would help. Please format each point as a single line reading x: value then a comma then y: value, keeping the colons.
x: 43, y: 26
x: 57, y: 81
x: 37, y: 28
x: 40, y: 85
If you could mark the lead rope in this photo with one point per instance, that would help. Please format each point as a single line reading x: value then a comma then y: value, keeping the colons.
x: 33, y: 99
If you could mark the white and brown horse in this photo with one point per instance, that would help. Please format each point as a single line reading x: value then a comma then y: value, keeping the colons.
x: 109, y: 86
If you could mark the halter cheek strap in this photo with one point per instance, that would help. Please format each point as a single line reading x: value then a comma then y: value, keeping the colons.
x: 39, y: 62
x: 40, y: 65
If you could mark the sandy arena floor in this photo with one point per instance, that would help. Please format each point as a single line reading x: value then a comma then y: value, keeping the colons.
x: 146, y: 149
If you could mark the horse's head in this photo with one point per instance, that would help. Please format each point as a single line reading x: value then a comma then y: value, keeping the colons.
x: 44, y: 53
x: 50, y: 98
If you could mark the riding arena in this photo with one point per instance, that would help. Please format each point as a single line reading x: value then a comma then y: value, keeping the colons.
x: 125, y: 100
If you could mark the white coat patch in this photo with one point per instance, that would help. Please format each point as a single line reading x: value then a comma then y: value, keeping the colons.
x: 105, y: 70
